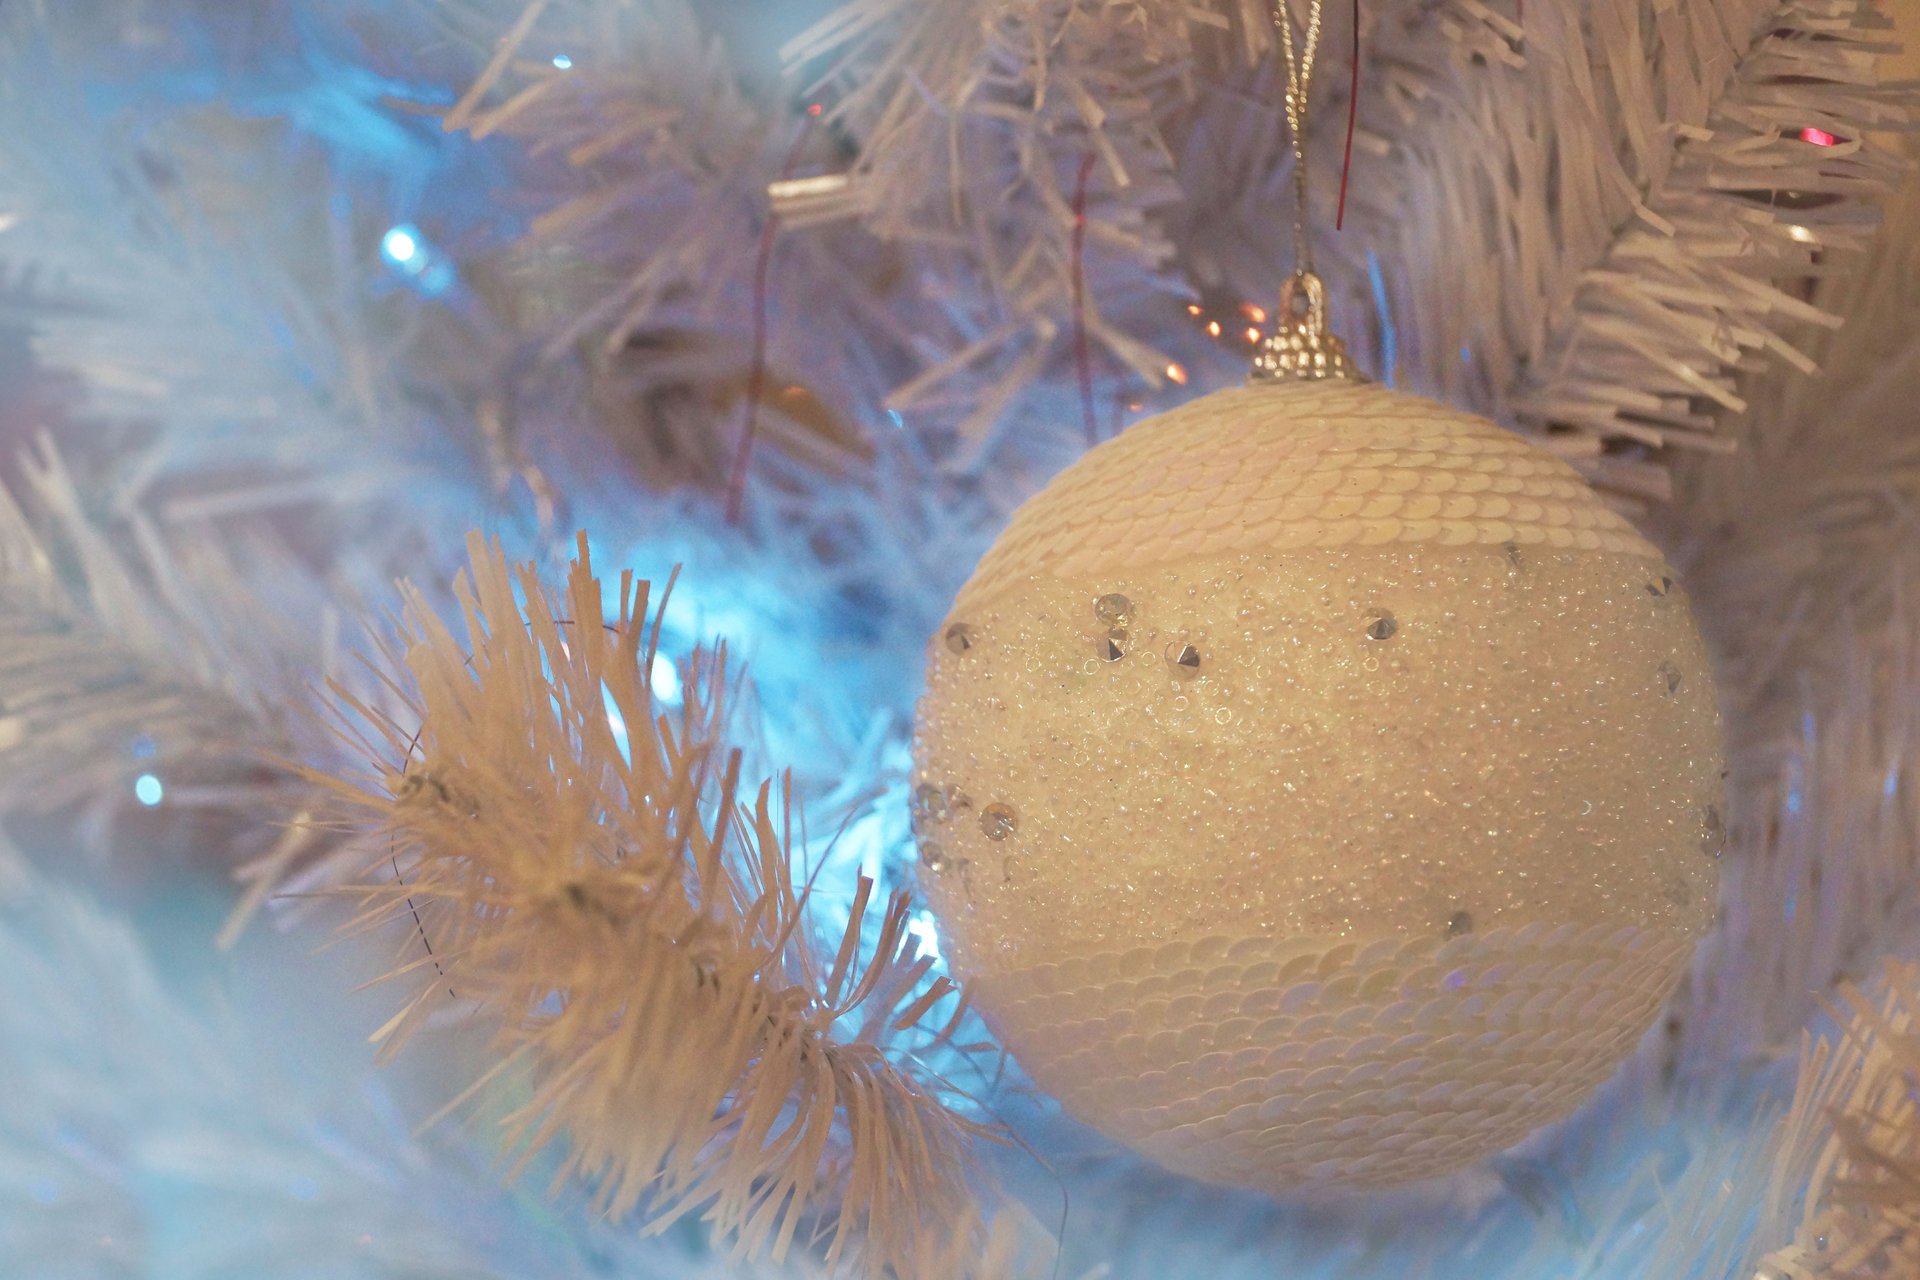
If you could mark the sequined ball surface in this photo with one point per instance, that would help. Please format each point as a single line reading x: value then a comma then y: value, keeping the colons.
x: 1319, y: 787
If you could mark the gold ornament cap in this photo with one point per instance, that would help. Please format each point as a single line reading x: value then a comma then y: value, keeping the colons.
x: 1300, y: 349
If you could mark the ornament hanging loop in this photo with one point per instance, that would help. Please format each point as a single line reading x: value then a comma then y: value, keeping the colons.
x: 1300, y: 349
x: 1303, y: 297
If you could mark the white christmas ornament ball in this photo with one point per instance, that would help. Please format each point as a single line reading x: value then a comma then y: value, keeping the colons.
x: 1319, y: 786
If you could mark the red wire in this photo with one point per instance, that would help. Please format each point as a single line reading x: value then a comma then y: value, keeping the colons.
x: 1082, y: 356
x: 1353, y: 114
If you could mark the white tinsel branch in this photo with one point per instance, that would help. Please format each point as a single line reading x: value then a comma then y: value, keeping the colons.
x: 115, y: 665
x: 143, y: 1135
x: 1861, y: 1215
x: 1585, y: 221
x: 216, y: 277
x: 561, y: 852
x: 1024, y: 149
x: 1799, y: 552
x: 1604, y: 230
x: 1623, y: 208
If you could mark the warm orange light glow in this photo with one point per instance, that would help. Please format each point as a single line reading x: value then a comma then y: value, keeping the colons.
x: 1193, y: 308
x: 1253, y: 334
x: 1213, y: 328
x: 1177, y: 373
x: 1256, y: 314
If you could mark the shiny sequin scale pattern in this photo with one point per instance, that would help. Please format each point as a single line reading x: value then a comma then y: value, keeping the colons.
x: 1260, y: 1062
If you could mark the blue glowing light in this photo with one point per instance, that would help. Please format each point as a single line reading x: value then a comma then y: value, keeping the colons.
x: 897, y: 418
x: 143, y: 748
x: 927, y: 934
x: 562, y: 61
x: 401, y: 245
x: 618, y: 723
x: 1389, y: 339
x: 413, y: 258
x: 666, y: 682
x: 147, y: 790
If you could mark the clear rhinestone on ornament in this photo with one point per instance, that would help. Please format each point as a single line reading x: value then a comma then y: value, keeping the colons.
x: 1713, y: 841
x: 1458, y: 923
x: 1670, y: 678
x: 1112, y: 646
x: 1660, y: 586
x: 934, y: 857
x: 1382, y: 627
x: 1183, y: 658
x: 1113, y: 608
x: 998, y: 821
x: 930, y: 804
x: 959, y: 637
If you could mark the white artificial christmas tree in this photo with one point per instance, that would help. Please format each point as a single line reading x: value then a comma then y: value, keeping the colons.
x: 807, y: 297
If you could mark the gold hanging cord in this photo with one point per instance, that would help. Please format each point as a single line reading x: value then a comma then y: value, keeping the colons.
x: 1299, y: 81
x: 1300, y: 348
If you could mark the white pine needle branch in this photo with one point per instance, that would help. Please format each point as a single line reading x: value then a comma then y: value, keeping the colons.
x: 1626, y: 201
x: 1020, y: 147
x: 580, y: 865
x: 128, y: 651
x: 1864, y: 1199
x: 1800, y: 551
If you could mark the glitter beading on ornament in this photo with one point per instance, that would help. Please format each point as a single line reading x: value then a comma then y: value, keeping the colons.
x: 1455, y: 867
x: 1713, y: 839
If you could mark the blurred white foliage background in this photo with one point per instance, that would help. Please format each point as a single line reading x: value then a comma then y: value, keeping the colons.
x: 294, y: 294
